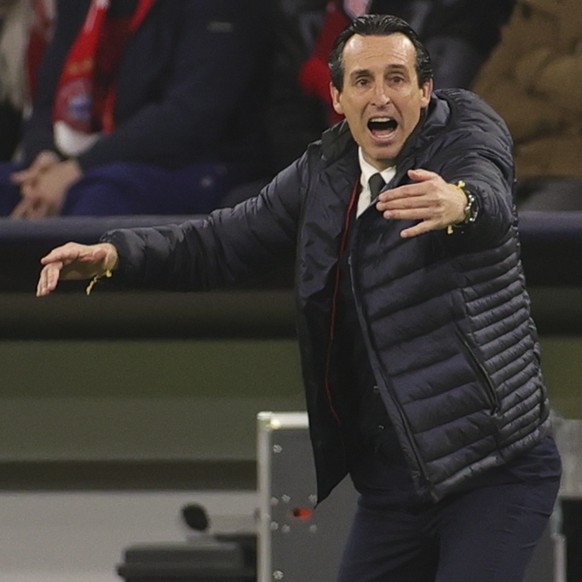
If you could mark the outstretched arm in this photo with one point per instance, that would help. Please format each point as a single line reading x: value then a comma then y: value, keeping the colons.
x: 75, y: 261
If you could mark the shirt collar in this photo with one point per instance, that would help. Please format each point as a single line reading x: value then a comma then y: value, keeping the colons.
x: 367, y: 170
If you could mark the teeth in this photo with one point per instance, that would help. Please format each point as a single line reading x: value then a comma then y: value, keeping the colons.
x: 381, y: 119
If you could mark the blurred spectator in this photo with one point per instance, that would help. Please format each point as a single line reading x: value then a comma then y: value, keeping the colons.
x: 295, y: 118
x: 534, y: 80
x: 292, y: 118
x: 25, y: 28
x: 459, y: 35
x: 142, y: 107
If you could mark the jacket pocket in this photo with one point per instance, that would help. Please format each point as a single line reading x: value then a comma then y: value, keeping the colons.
x: 481, y: 374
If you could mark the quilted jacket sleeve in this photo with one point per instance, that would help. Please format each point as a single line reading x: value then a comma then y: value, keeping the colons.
x: 230, y: 245
x: 479, y: 151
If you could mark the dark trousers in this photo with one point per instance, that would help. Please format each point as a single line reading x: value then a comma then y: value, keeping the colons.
x: 484, y: 535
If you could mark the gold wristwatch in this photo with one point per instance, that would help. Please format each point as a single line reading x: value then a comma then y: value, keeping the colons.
x: 471, y: 210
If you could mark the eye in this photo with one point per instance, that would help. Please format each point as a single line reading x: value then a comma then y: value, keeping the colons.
x: 396, y: 80
x: 362, y: 82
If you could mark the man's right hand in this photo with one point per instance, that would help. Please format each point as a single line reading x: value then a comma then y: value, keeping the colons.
x: 75, y: 261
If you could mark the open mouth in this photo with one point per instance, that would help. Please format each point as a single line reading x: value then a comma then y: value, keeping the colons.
x: 382, y: 126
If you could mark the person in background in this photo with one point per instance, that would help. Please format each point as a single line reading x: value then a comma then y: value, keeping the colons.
x: 420, y: 358
x: 25, y: 29
x: 294, y: 118
x: 459, y: 34
x: 291, y: 118
x: 533, y: 78
x: 142, y: 107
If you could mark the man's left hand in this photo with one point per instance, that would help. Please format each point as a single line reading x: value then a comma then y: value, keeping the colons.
x: 436, y: 204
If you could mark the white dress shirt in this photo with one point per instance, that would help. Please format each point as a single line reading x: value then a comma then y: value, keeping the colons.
x: 367, y: 172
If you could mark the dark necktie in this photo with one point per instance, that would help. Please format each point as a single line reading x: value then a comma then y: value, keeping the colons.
x: 376, y: 183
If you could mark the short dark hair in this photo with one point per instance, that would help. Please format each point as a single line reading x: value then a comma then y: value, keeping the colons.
x: 378, y: 25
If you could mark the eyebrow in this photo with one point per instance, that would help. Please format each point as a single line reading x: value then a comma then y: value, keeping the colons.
x: 398, y: 68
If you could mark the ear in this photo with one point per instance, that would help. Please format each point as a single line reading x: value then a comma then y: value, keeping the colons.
x: 335, y: 99
x: 426, y: 90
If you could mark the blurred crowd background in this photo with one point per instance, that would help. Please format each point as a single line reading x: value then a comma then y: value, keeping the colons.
x: 194, y: 106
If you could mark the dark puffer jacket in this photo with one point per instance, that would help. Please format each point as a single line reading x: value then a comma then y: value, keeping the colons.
x: 445, y: 318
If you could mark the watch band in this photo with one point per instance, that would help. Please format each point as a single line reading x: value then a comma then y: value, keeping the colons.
x: 470, y: 210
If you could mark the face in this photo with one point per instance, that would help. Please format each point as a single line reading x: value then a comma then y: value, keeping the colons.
x: 380, y: 98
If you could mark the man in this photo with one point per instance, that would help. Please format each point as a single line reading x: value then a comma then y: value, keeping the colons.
x: 420, y: 358
x: 141, y: 107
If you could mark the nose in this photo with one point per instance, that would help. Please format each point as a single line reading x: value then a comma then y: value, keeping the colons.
x: 381, y: 96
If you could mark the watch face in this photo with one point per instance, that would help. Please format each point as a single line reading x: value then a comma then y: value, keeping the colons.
x: 471, y: 210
